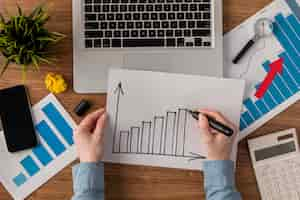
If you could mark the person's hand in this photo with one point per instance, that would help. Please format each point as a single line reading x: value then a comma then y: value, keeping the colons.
x: 218, y: 145
x: 89, y: 135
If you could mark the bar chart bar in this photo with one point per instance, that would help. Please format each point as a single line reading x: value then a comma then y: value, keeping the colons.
x: 59, y: 122
x: 287, y: 76
x: 181, y: 132
x: 247, y: 118
x: 134, y: 139
x: 157, y: 136
x: 42, y: 154
x: 276, y: 94
x: 149, y: 137
x: 292, y: 68
x: 145, y: 136
x: 124, y: 145
x: 260, y: 104
x: 254, y: 112
x: 294, y: 23
x: 184, y: 133
x: 50, y: 138
x: 169, y: 132
x: 30, y: 166
x: 282, y: 86
x: 20, y: 179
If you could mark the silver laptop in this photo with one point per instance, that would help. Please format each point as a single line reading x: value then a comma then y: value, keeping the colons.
x: 176, y: 36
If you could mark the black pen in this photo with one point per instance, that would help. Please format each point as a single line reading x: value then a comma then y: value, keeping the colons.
x: 213, y: 123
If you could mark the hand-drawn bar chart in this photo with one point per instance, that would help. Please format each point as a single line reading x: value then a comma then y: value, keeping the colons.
x: 287, y: 83
x: 47, y: 134
x: 163, y: 135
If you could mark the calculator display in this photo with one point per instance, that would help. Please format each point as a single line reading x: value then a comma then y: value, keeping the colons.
x: 273, y: 151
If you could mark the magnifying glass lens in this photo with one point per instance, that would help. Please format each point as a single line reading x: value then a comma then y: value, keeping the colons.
x: 264, y: 27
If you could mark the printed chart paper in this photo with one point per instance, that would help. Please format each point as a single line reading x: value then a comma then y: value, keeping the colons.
x: 22, y: 173
x: 283, y: 48
x: 148, y: 122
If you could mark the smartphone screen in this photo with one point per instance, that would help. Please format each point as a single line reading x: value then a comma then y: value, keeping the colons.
x: 15, y: 113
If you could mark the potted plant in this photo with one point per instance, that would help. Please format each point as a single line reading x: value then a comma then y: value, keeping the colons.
x: 25, y: 41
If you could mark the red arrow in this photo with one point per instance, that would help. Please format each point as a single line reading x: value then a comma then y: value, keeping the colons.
x: 275, y: 68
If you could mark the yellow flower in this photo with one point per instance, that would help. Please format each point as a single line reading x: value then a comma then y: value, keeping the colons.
x: 55, y: 83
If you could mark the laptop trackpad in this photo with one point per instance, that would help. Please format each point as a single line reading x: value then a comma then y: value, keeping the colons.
x: 146, y: 61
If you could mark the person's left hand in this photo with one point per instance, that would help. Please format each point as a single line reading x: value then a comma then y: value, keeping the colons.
x: 89, y: 135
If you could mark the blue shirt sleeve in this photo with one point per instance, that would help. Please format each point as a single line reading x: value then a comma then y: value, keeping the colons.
x: 88, y: 181
x: 219, y: 180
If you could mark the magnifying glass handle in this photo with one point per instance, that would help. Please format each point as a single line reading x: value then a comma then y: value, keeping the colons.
x: 243, y: 51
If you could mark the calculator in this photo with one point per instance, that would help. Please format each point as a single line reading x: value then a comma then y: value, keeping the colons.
x: 276, y: 162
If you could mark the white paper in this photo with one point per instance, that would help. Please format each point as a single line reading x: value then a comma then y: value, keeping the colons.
x: 250, y: 67
x: 138, y: 99
x: 10, y: 165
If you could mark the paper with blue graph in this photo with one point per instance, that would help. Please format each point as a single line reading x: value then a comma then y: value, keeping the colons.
x: 22, y: 173
x: 148, y: 119
x: 271, y: 68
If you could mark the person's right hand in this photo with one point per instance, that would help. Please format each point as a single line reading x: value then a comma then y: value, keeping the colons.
x: 218, y: 145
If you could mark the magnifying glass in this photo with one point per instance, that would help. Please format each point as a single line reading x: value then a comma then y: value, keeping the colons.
x: 263, y: 28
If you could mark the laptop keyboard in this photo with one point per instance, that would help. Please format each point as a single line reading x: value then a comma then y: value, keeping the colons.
x: 148, y: 23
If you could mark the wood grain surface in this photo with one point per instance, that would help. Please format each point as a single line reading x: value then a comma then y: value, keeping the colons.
x: 134, y: 182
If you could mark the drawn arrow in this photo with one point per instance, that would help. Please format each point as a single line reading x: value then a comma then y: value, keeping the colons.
x: 275, y: 68
x: 118, y: 91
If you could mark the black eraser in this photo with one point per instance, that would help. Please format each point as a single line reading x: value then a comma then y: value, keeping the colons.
x: 82, y: 107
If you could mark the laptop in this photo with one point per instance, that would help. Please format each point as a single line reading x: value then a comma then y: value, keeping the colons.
x: 176, y: 36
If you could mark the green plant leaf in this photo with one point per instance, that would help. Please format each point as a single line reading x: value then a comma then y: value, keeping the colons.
x: 37, y: 10
x: 24, y: 70
x: 16, y: 26
x: 12, y: 57
x: 18, y: 60
x: 4, y: 67
x: 2, y: 22
x: 44, y: 60
x: 2, y: 19
x: 53, y: 59
x: 46, y: 39
x: 19, y: 10
x: 42, y: 19
x: 35, y: 63
x: 59, y: 34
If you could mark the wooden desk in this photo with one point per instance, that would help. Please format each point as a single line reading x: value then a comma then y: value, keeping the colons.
x: 129, y: 182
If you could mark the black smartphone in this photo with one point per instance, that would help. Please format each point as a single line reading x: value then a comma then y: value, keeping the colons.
x: 17, y: 123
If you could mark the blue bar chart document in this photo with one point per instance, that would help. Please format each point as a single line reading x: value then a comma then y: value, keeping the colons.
x: 149, y: 123
x: 257, y: 66
x: 23, y: 172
